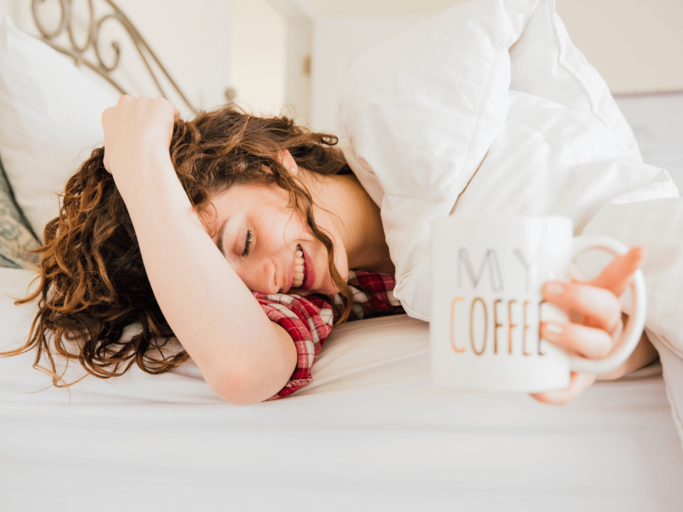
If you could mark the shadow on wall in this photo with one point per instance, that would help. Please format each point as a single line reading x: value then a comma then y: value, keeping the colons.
x: 657, y: 123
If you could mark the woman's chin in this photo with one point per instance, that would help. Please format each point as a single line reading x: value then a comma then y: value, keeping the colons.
x: 328, y: 289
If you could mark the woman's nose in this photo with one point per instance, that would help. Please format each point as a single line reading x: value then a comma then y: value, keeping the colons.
x: 260, y: 277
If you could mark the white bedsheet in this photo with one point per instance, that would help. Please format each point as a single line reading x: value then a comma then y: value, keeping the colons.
x: 371, y: 433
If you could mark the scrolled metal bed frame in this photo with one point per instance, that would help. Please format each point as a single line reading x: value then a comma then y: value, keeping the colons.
x: 79, y: 52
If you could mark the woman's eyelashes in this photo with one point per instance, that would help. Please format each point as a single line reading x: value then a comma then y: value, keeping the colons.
x: 247, y: 243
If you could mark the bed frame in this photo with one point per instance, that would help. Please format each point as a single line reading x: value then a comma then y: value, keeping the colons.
x: 80, y: 51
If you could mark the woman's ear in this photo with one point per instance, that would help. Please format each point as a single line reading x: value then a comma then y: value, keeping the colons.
x: 286, y: 159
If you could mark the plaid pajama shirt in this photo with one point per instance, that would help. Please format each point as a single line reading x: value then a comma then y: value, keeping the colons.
x: 308, y: 320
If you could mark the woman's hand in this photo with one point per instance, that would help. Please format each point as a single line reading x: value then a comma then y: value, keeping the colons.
x: 595, y: 319
x: 134, y: 129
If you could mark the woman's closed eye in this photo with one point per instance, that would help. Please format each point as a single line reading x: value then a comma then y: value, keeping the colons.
x: 247, y: 244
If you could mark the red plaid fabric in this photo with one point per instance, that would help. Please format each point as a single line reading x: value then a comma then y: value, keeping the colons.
x: 309, y: 320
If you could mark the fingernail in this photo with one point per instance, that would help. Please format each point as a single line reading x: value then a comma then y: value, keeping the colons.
x: 554, y: 288
x: 552, y: 331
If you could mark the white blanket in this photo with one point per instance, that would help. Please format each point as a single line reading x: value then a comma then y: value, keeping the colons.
x: 490, y: 109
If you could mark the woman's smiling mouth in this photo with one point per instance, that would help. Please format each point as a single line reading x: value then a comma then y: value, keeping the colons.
x: 299, y: 268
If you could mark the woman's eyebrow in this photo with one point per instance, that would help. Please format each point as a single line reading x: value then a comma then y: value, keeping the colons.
x: 219, y: 241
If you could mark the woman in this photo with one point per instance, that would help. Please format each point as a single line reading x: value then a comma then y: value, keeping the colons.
x: 240, y: 241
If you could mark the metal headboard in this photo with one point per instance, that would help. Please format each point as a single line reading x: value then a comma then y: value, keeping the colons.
x: 93, y: 31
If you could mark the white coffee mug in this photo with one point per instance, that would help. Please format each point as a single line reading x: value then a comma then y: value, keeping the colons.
x: 487, y: 274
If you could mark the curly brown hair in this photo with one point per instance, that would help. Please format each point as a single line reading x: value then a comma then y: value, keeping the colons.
x: 93, y: 281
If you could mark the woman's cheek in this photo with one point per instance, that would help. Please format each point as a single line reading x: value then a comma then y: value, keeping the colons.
x: 341, y: 263
x: 328, y: 286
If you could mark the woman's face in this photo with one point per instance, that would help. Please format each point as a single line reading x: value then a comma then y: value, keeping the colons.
x: 260, y: 236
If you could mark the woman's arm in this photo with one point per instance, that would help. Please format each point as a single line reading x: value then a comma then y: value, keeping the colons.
x: 243, y: 356
x: 644, y: 354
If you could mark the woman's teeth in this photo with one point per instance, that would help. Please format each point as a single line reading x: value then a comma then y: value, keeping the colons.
x: 298, y: 269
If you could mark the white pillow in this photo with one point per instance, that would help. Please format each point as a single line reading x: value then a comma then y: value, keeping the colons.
x: 376, y: 351
x: 370, y: 352
x: 50, y: 120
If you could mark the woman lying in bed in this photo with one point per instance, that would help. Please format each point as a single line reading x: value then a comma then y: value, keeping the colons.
x: 247, y: 241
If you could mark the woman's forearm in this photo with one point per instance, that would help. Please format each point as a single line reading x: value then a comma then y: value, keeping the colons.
x: 243, y: 356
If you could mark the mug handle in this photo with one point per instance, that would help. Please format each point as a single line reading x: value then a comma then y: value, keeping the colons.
x: 636, y: 322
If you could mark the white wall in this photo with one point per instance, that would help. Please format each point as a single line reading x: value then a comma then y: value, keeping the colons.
x: 336, y: 44
x: 209, y: 45
x: 191, y: 39
x: 637, y: 45
x: 378, y: 7
x: 258, y: 55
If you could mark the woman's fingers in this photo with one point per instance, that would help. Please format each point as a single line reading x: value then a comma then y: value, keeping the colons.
x: 599, y: 305
x: 596, y: 301
x: 596, y: 309
x: 617, y: 275
x: 577, y: 383
x: 136, y: 127
x: 585, y: 341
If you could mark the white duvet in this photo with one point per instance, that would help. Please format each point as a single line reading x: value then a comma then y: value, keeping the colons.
x: 490, y: 109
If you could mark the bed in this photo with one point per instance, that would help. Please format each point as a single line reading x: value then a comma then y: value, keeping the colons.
x: 371, y: 432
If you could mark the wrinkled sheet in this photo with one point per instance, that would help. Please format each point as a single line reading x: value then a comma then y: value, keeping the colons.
x: 370, y: 433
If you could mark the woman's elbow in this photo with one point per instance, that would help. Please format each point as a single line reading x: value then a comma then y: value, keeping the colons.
x: 257, y: 379
x: 245, y: 386
x: 237, y: 389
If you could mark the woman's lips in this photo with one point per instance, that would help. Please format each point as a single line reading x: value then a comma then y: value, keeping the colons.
x: 309, y: 272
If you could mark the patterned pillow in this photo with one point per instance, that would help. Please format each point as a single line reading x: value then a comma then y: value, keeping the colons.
x: 16, y: 236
